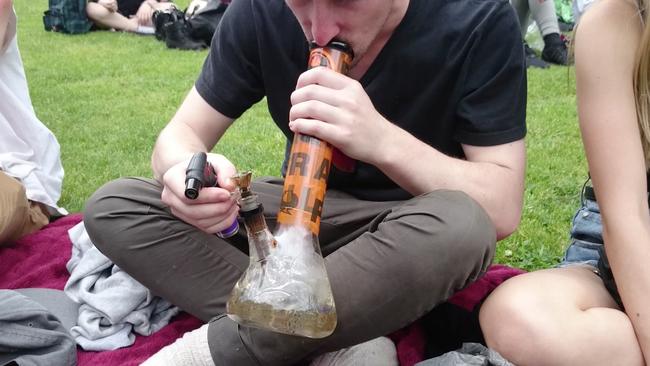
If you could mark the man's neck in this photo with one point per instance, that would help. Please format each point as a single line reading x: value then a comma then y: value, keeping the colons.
x: 392, y: 22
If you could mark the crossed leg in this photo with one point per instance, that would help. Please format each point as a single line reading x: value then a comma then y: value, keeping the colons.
x: 560, y: 316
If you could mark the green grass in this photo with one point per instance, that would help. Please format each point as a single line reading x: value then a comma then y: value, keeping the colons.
x: 107, y: 95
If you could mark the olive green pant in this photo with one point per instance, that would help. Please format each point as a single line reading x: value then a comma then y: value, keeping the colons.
x: 388, y: 263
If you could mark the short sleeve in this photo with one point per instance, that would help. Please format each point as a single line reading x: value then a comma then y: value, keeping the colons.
x: 492, y: 108
x: 230, y: 80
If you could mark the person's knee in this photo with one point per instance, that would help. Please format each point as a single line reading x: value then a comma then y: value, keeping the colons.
x: 516, y: 319
x: 465, y: 232
x: 443, y: 233
x: 471, y: 228
x: 106, y: 212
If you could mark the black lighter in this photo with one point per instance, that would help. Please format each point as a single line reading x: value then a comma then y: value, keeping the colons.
x: 199, y: 174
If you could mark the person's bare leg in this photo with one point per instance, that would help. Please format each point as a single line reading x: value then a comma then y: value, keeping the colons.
x: 561, y: 316
x: 109, y: 19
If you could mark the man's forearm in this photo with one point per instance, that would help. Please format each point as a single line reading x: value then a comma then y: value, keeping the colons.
x: 495, y: 179
x: 169, y: 150
x: 195, y: 127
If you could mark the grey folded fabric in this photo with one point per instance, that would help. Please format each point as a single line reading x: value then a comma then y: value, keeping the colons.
x: 30, y: 334
x: 470, y: 354
x: 113, y: 304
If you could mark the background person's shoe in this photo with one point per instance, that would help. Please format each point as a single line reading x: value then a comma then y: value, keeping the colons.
x: 163, y: 18
x: 177, y: 35
x: 531, y: 58
x: 555, y: 50
x: 159, y: 19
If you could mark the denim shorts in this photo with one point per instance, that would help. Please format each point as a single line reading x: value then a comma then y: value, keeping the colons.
x: 586, y: 236
x: 587, y: 247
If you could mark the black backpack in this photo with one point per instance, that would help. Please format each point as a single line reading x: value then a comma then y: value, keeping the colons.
x: 189, y: 29
x: 67, y: 16
x: 204, y: 21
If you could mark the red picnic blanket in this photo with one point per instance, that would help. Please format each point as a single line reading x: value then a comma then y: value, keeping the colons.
x: 38, y: 261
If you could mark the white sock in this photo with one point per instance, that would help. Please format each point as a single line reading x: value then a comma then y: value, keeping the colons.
x: 143, y: 29
x: 376, y: 352
x: 191, y: 350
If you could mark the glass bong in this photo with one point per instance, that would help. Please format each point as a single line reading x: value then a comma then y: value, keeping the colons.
x: 285, y: 288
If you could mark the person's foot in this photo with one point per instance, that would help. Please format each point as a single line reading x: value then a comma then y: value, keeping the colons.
x: 145, y: 30
x: 191, y: 349
x: 375, y: 352
x: 555, y: 50
x: 531, y: 58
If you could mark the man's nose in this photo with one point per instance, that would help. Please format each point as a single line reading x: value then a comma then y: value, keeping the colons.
x: 324, y: 26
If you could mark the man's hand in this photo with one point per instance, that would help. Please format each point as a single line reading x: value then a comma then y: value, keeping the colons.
x: 336, y: 109
x: 111, y: 5
x: 214, y: 210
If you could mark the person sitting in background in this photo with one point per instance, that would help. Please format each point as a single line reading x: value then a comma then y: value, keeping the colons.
x: 543, y: 12
x: 126, y: 15
x: 31, y: 173
x: 594, y: 309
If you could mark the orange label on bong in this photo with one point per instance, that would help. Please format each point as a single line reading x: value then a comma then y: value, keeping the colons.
x: 311, y: 159
x: 305, y: 183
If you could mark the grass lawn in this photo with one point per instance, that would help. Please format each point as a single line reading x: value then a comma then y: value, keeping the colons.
x: 107, y: 95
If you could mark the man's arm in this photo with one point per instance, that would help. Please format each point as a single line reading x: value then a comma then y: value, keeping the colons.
x: 492, y: 175
x: 336, y: 109
x: 196, y: 127
x: 608, y: 122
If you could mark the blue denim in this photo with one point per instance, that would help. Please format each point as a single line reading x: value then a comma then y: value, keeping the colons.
x: 586, y: 236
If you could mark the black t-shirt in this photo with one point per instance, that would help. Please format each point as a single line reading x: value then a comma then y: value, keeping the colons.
x: 128, y: 7
x: 452, y: 72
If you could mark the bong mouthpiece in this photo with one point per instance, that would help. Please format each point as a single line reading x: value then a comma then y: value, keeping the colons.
x: 336, y: 55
